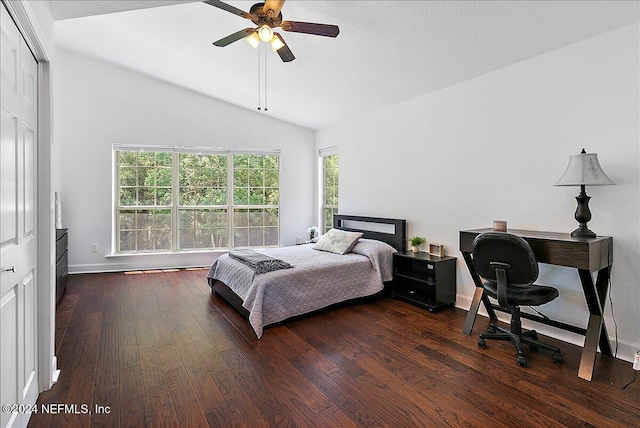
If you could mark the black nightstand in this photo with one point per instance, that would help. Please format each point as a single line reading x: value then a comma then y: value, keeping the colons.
x: 425, y: 280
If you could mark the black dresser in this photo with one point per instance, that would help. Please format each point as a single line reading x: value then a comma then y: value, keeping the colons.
x: 62, y: 261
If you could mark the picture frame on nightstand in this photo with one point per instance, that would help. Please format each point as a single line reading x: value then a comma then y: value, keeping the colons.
x: 435, y: 249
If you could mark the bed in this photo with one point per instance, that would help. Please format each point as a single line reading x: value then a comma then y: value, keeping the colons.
x: 317, y: 279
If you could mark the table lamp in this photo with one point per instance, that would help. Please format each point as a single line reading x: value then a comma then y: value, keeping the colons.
x: 584, y: 170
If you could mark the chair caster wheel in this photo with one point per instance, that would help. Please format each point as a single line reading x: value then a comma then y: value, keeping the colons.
x: 522, y: 361
x: 558, y: 358
x: 482, y: 343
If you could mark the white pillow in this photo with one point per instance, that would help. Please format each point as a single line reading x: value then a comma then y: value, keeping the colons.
x: 337, y: 241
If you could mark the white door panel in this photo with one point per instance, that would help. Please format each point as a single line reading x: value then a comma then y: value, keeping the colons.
x: 8, y: 175
x: 28, y: 187
x: 8, y: 356
x: 30, y: 347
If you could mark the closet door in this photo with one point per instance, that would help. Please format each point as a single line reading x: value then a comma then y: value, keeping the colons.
x: 18, y: 251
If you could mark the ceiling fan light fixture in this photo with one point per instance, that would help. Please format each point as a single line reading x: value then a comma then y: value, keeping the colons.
x: 276, y: 42
x: 253, y: 40
x: 265, y: 33
x: 267, y: 16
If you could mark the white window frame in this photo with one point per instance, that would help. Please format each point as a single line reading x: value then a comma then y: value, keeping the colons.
x: 175, y: 206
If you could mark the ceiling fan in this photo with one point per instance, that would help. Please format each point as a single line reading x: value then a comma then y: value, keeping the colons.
x: 267, y: 16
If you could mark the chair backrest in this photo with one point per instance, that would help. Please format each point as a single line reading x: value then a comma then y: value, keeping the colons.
x: 505, y: 248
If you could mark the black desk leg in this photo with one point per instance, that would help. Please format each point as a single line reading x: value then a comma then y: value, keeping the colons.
x: 478, y: 296
x: 602, y: 285
x: 473, y: 311
x: 596, y: 330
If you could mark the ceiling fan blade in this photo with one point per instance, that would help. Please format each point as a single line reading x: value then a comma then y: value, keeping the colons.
x: 274, y: 5
x: 310, y: 28
x: 228, y: 8
x: 285, y: 53
x: 234, y: 37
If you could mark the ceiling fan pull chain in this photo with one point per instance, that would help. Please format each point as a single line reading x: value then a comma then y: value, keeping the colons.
x: 259, y: 108
x: 265, y: 80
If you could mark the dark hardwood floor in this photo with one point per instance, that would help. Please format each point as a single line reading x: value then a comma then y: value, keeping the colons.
x: 156, y: 349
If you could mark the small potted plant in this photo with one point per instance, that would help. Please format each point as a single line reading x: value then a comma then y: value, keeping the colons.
x: 313, y: 232
x: 416, y: 241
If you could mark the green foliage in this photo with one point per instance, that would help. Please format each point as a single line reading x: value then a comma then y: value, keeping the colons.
x: 331, y: 162
x: 145, y: 230
x: 202, y: 228
x: 416, y: 241
x: 145, y: 178
x: 202, y: 179
x: 330, y: 178
x: 328, y: 218
x: 255, y: 180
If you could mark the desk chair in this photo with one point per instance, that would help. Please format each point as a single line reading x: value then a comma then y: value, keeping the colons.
x: 509, y: 268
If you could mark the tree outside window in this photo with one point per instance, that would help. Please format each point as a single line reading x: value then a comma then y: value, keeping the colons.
x: 329, y: 190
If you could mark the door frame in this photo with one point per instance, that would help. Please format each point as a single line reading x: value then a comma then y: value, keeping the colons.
x: 29, y: 27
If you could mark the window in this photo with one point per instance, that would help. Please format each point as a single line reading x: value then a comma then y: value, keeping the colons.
x: 144, y: 214
x: 255, y: 200
x: 329, y: 189
x: 179, y: 200
x: 202, y: 208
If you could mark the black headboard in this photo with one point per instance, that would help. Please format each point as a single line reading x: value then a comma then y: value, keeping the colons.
x: 389, y: 230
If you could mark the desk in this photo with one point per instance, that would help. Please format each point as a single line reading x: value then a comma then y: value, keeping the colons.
x: 587, y: 255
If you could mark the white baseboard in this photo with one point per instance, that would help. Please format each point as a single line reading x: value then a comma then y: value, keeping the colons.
x: 55, y: 373
x: 117, y: 267
x: 132, y: 262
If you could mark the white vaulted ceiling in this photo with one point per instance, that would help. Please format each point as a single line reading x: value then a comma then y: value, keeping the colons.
x: 387, y: 51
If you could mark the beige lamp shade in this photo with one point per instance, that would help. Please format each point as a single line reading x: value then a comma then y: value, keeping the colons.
x: 584, y: 169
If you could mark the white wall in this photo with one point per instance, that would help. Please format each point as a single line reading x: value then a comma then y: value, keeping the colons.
x: 97, y: 105
x: 492, y: 148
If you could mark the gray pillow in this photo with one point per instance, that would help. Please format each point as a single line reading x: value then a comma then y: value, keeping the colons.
x: 337, y: 241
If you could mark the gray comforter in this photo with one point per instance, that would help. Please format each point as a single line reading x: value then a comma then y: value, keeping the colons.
x: 319, y: 279
x: 259, y: 262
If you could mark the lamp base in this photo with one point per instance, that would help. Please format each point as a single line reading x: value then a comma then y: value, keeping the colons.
x: 583, y: 215
x: 583, y: 233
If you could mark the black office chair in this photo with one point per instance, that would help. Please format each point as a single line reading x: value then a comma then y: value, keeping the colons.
x: 509, y: 268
